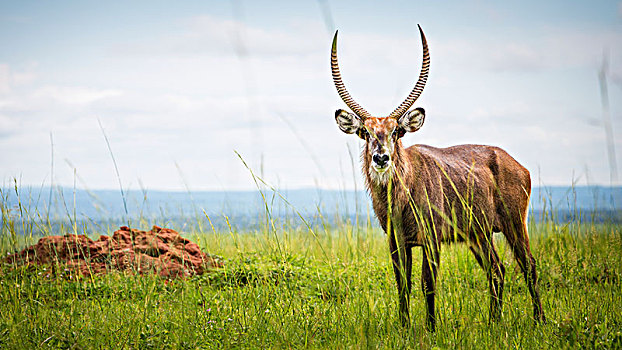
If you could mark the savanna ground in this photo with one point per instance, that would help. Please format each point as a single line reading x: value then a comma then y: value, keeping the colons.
x: 327, y: 287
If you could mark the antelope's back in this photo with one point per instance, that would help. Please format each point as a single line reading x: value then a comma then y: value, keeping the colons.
x: 479, y: 180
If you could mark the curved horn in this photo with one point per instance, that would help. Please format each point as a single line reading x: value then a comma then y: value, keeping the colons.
x: 341, y: 88
x: 423, y: 77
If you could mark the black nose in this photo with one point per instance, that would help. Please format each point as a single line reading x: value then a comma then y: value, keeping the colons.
x: 380, y: 159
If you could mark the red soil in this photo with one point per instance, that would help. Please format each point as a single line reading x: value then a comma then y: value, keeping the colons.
x: 161, y: 250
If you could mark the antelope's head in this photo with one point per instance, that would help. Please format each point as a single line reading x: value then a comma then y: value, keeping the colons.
x: 381, y: 135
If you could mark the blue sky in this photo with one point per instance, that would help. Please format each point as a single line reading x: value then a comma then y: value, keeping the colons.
x: 179, y: 87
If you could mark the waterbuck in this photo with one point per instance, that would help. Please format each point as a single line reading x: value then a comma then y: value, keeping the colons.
x: 423, y: 196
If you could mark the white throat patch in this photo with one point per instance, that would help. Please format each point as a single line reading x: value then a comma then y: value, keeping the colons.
x: 380, y: 177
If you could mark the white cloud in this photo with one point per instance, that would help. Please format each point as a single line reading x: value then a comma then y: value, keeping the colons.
x: 74, y: 95
x: 26, y: 76
x: 5, y: 76
x: 187, y: 98
x: 8, y: 126
x: 557, y: 48
x: 207, y: 34
x: 11, y: 77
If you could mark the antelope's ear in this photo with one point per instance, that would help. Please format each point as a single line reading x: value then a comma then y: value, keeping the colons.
x: 349, y: 123
x: 412, y: 121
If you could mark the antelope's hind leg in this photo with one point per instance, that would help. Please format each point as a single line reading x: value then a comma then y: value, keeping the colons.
x: 487, y: 257
x: 518, y: 240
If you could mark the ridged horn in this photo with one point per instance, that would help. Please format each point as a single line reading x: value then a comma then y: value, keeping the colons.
x: 341, y: 88
x: 423, y: 77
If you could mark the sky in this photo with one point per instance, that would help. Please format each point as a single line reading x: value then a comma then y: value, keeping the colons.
x: 194, y: 95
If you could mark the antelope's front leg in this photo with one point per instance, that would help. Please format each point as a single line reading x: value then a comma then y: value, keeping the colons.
x: 429, y: 271
x: 402, y: 265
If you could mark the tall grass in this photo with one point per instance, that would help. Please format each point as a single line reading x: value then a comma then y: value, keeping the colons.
x: 304, y: 286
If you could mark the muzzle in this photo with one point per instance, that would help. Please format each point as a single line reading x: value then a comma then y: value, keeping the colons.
x: 381, y: 161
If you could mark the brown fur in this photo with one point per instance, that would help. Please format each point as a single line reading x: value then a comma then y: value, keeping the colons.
x: 460, y: 193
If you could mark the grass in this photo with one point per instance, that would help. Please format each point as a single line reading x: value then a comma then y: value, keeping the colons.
x: 333, y: 287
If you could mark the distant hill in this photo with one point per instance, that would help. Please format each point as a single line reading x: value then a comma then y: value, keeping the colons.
x: 578, y: 197
x: 104, y: 204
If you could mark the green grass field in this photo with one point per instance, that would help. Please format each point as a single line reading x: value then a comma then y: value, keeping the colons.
x: 332, y: 287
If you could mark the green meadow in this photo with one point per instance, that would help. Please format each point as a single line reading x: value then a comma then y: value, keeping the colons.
x: 313, y: 286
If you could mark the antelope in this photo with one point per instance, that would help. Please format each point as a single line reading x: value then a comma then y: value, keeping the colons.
x: 424, y: 195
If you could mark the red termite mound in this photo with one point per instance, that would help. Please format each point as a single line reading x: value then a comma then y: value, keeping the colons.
x: 161, y: 250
